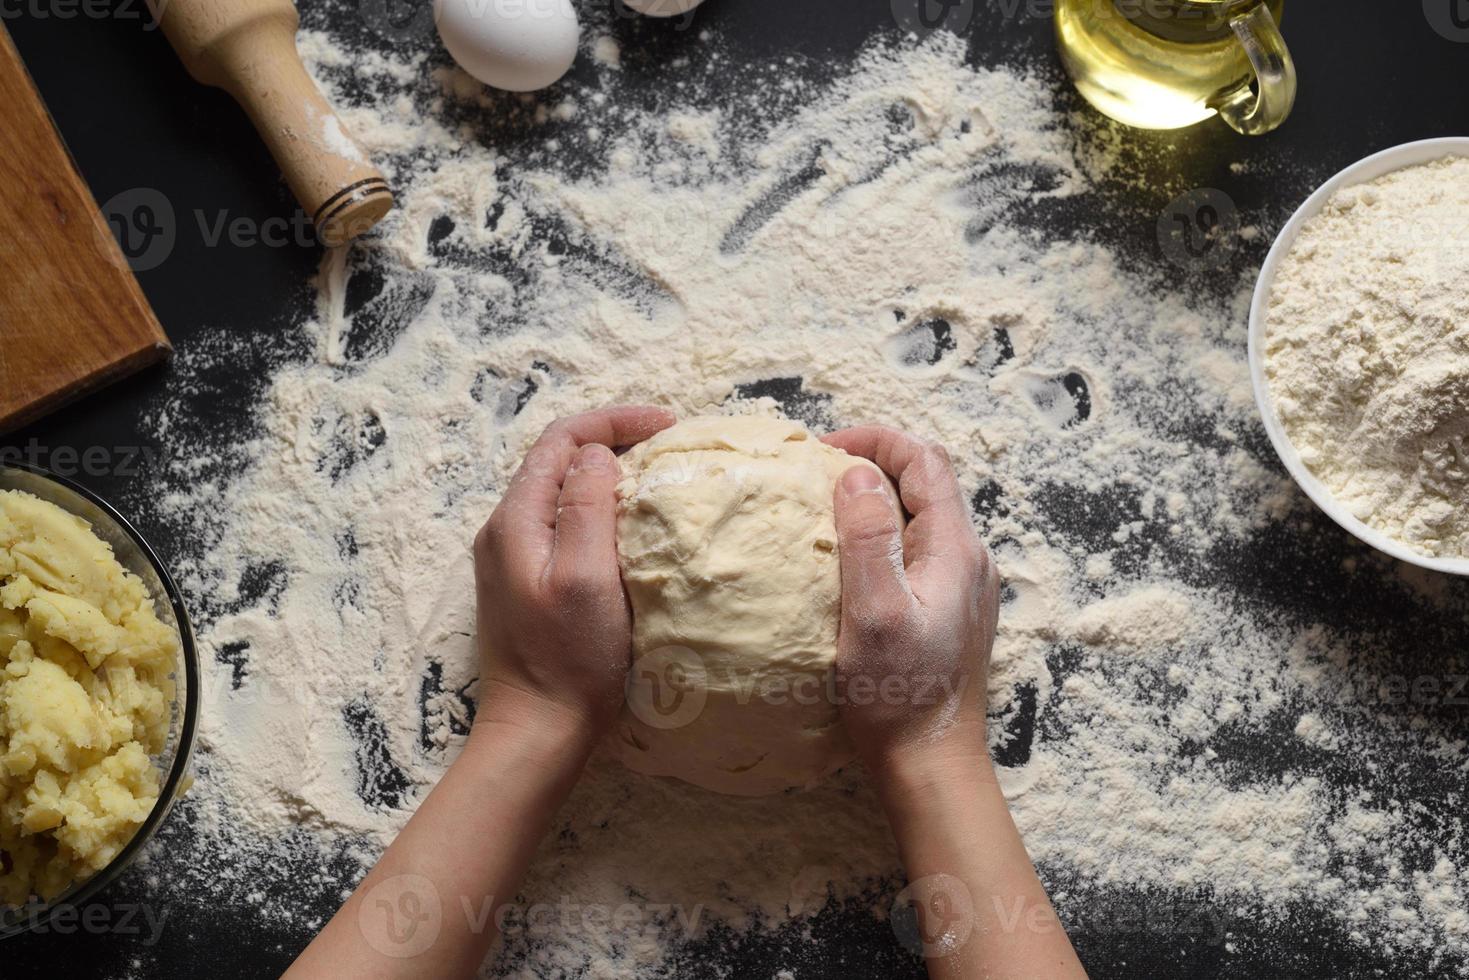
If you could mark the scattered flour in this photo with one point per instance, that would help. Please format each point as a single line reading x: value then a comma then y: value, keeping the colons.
x: 1154, y: 616
x: 889, y: 246
x: 607, y: 51
x: 1367, y: 352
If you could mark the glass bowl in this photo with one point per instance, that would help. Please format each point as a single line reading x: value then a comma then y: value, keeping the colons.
x: 137, y: 557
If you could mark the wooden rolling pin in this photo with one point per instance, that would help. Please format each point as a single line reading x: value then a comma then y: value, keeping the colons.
x: 248, y: 48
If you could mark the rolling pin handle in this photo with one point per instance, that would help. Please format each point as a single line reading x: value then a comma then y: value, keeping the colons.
x: 248, y: 48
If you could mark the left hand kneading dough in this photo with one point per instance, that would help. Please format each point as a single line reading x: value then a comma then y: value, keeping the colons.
x: 85, y: 700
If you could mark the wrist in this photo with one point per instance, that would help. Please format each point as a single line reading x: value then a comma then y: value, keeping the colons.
x: 541, y: 727
x: 919, y: 773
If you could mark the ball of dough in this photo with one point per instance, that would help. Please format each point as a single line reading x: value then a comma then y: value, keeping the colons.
x: 727, y: 540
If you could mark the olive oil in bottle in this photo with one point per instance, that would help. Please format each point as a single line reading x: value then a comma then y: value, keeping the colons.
x: 1163, y: 64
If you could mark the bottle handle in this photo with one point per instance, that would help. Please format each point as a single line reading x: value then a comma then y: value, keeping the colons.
x: 1259, y: 108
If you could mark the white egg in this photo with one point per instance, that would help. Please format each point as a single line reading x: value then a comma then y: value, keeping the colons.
x: 663, y: 8
x: 517, y: 45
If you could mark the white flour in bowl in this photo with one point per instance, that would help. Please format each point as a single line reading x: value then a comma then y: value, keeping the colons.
x: 886, y: 245
x: 1367, y: 352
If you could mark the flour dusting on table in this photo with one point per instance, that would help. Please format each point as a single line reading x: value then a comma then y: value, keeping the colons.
x: 890, y: 244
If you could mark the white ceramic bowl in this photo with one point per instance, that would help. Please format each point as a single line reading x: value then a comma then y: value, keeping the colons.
x: 1378, y: 164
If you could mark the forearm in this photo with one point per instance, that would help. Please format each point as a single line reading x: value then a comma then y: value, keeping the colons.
x: 981, y: 910
x: 429, y: 906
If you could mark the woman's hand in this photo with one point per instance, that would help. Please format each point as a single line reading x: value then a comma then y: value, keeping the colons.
x: 555, y: 632
x: 919, y: 607
x: 555, y: 636
x: 919, y: 604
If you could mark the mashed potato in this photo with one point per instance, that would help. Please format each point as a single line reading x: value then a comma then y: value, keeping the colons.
x: 85, y: 700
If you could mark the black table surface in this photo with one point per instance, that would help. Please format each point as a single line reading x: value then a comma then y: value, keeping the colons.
x: 1373, y: 74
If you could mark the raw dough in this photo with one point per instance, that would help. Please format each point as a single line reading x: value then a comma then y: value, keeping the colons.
x: 728, y: 546
x: 85, y: 699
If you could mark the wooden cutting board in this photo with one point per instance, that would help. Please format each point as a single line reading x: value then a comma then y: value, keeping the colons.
x: 72, y: 317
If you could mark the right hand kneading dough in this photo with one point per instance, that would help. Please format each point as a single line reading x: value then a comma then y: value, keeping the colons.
x: 727, y: 540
